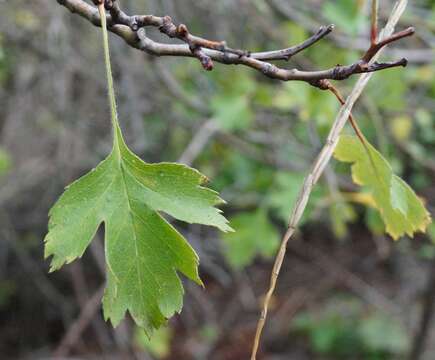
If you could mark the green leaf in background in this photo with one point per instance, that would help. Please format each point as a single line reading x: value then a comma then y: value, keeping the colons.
x: 401, y: 128
x: 158, y: 346
x: 341, y: 214
x: 293, y: 32
x: 7, y: 291
x: 308, y: 103
x: 390, y: 91
x: 424, y: 120
x: 332, y: 327
x: 5, y: 162
x: 143, y: 251
x: 254, y: 235
x: 346, y: 14
x: 232, y: 112
x: 284, y: 193
x: 345, y: 328
x: 400, y: 208
x: 232, y: 97
x: 288, y: 97
x: 381, y: 333
x: 374, y: 222
x: 431, y: 232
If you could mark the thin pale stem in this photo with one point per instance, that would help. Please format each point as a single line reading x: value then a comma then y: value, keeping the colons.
x: 319, y: 166
x: 273, y: 279
x: 110, y: 87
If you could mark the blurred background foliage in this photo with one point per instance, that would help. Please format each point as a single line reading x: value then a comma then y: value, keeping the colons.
x: 346, y: 291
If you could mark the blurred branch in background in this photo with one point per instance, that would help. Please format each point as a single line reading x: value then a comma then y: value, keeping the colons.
x: 298, y: 12
x: 427, y: 314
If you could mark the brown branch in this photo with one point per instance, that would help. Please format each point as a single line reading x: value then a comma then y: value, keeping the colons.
x: 132, y: 30
x: 339, y: 72
x: 80, y: 324
x: 352, y: 120
x: 376, y: 46
x: 426, y: 317
x: 357, y: 130
x: 286, y: 54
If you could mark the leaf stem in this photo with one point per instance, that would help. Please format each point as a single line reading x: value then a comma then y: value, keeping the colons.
x: 358, y: 132
x: 117, y: 135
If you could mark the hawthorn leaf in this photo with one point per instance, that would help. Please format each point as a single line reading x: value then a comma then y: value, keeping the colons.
x: 400, y: 208
x: 144, y: 253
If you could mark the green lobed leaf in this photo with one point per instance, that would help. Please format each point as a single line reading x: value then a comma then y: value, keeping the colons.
x: 400, y: 208
x: 143, y: 251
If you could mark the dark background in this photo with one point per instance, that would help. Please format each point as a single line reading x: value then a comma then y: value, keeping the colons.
x: 346, y: 291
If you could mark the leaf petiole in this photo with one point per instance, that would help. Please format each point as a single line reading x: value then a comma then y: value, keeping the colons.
x: 117, y: 135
